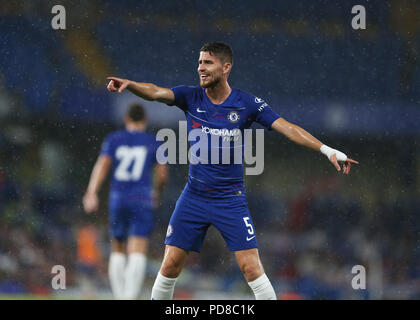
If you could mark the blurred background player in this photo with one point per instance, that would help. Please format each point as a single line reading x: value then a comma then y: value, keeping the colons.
x: 130, y: 154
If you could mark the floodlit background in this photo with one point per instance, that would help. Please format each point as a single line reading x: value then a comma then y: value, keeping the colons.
x: 355, y: 90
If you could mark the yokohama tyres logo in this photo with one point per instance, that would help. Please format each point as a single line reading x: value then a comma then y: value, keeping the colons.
x: 221, y: 132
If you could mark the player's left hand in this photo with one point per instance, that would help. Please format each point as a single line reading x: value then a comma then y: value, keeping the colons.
x: 346, y: 164
x: 90, y: 202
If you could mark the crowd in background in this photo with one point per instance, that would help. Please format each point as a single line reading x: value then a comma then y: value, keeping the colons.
x: 313, y: 225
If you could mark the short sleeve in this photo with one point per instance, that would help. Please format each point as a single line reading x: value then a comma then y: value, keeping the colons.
x: 106, y: 148
x: 264, y: 115
x: 183, y: 96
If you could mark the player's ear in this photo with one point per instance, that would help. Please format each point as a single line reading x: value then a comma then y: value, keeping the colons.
x: 227, y: 66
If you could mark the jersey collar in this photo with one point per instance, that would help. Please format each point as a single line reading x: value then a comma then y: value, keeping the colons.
x: 228, y: 101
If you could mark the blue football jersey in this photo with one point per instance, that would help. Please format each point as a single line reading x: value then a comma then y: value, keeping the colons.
x: 133, y: 155
x: 222, y: 123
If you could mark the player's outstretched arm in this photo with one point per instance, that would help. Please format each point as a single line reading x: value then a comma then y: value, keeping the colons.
x: 147, y: 91
x: 99, y: 173
x: 302, y: 137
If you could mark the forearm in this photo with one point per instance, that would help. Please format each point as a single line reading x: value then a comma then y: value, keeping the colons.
x: 147, y: 91
x: 304, y: 138
x: 99, y: 173
x: 297, y: 134
x: 95, y: 182
x: 151, y: 92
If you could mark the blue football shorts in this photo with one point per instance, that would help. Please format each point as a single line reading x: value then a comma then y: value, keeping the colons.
x: 130, y: 216
x: 194, y: 214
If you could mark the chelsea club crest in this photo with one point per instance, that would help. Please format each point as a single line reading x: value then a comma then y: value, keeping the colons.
x: 169, y: 231
x: 233, y: 116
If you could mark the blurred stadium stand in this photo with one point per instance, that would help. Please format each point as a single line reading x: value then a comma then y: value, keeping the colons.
x: 356, y: 90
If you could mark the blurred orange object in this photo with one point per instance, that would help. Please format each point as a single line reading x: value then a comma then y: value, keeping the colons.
x: 290, y: 296
x: 88, y: 252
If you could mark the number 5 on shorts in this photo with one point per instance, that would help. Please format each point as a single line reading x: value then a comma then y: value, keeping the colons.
x: 249, y: 226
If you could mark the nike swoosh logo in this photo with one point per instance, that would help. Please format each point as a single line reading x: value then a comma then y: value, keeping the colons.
x: 198, y: 110
x: 248, y: 239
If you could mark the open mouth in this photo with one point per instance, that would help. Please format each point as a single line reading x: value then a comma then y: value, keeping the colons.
x: 204, y: 76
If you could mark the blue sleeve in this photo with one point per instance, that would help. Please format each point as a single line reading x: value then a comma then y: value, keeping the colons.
x: 264, y: 115
x: 107, y: 146
x: 183, y: 96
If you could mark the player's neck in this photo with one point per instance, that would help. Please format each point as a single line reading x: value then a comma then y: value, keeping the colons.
x: 135, y: 127
x: 219, y: 93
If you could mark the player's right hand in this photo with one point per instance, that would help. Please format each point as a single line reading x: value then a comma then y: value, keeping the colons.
x: 90, y: 202
x: 117, y: 84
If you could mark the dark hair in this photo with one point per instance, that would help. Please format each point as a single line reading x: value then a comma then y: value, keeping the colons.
x: 136, y: 112
x: 220, y: 49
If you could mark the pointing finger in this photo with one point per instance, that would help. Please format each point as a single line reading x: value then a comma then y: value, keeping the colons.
x: 114, y: 78
x: 352, y: 161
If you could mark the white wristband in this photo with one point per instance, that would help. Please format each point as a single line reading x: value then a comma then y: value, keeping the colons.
x: 330, y: 151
